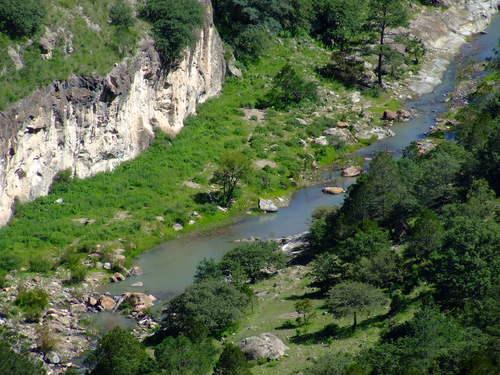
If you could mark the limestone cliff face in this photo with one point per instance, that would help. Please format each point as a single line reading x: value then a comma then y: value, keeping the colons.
x: 443, y: 33
x: 92, y: 124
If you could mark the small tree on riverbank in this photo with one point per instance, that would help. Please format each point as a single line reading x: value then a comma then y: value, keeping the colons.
x: 233, y: 167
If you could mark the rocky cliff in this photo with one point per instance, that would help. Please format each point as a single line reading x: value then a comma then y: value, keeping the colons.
x: 92, y: 124
x: 443, y: 33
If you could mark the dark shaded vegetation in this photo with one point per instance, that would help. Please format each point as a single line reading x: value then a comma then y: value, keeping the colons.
x: 175, y: 25
x: 422, y: 223
x: 17, y: 364
x: 20, y: 18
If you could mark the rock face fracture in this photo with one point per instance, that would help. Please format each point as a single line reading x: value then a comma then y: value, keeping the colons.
x: 89, y: 125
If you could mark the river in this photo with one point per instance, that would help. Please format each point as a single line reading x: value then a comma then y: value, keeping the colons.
x: 169, y: 267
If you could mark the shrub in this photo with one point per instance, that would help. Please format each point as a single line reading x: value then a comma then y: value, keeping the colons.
x: 46, y: 340
x: 214, y: 305
x: 78, y: 273
x: 40, y: 265
x: 13, y: 363
x: 232, y: 362
x: 20, y: 18
x: 180, y: 356
x: 120, y: 353
x: 121, y: 14
x: 174, y: 25
x: 253, y: 260
x: 32, y: 302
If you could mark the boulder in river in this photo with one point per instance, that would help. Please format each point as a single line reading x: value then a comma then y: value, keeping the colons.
x: 390, y: 116
x: 267, y: 205
x: 264, y: 346
x: 139, y: 301
x: 107, y: 303
x: 351, y: 171
x: 333, y: 190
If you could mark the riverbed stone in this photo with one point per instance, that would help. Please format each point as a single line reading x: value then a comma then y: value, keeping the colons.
x: 352, y: 171
x: 267, y: 205
x: 107, y: 303
x: 333, y: 190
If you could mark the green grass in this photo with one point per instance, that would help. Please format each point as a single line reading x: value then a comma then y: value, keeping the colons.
x: 94, y: 52
x: 276, y: 305
x: 153, y: 184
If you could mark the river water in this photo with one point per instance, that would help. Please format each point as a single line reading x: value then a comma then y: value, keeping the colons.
x: 169, y: 268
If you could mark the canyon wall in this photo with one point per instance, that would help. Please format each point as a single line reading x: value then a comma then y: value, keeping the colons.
x: 92, y: 124
x: 443, y: 33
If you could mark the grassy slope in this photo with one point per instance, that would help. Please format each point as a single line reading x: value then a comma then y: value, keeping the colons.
x: 94, y: 52
x: 276, y: 305
x: 152, y: 185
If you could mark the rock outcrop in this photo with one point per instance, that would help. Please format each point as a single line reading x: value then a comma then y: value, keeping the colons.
x: 92, y: 124
x: 264, y: 346
x: 443, y: 33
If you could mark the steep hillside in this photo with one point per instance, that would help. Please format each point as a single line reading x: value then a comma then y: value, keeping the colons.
x: 74, y: 37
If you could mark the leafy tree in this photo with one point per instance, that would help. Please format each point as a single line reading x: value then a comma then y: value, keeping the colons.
x: 382, y: 269
x: 121, y: 14
x: 12, y: 363
x: 252, y: 259
x: 120, y: 353
x: 378, y: 195
x: 19, y: 18
x: 233, y: 167
x: 180, y: 356
x: 351, y: 298
x: 366, y: 242
x: 213, y: 304
x: 340, y: 22
x: 232, y: 362
x: 468, y: 262
x: 305, y: 309
x: 174, y: 25
x: 207, y: 269
x: 440, y: 184
x: 290, y: 89
x: 385, y: 14
x: 328, y: 270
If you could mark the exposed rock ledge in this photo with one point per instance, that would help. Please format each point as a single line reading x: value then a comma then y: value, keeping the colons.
x: 92, y: 124
x: 443, y: 33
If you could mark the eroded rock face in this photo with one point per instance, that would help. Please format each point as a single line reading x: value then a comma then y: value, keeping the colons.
x: 266, y: 346
x: 443, y: 33
x: 92, y: 124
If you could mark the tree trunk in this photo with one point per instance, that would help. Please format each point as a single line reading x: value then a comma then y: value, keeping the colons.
x: 381, y: 55
x: 355, y: 323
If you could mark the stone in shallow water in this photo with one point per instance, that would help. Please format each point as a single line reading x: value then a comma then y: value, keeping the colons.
x: 267, y: 205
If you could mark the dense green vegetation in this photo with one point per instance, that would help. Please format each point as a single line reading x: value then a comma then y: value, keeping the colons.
x: 174, y: 25
x: 438, y: 210
x: 20, y: 18
x: 16, y: 364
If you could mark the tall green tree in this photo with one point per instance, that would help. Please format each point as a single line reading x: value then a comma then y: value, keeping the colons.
x: 233, y: 167
x: 340, y: 22
x: 352, y: 298
x: 385, y: 14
